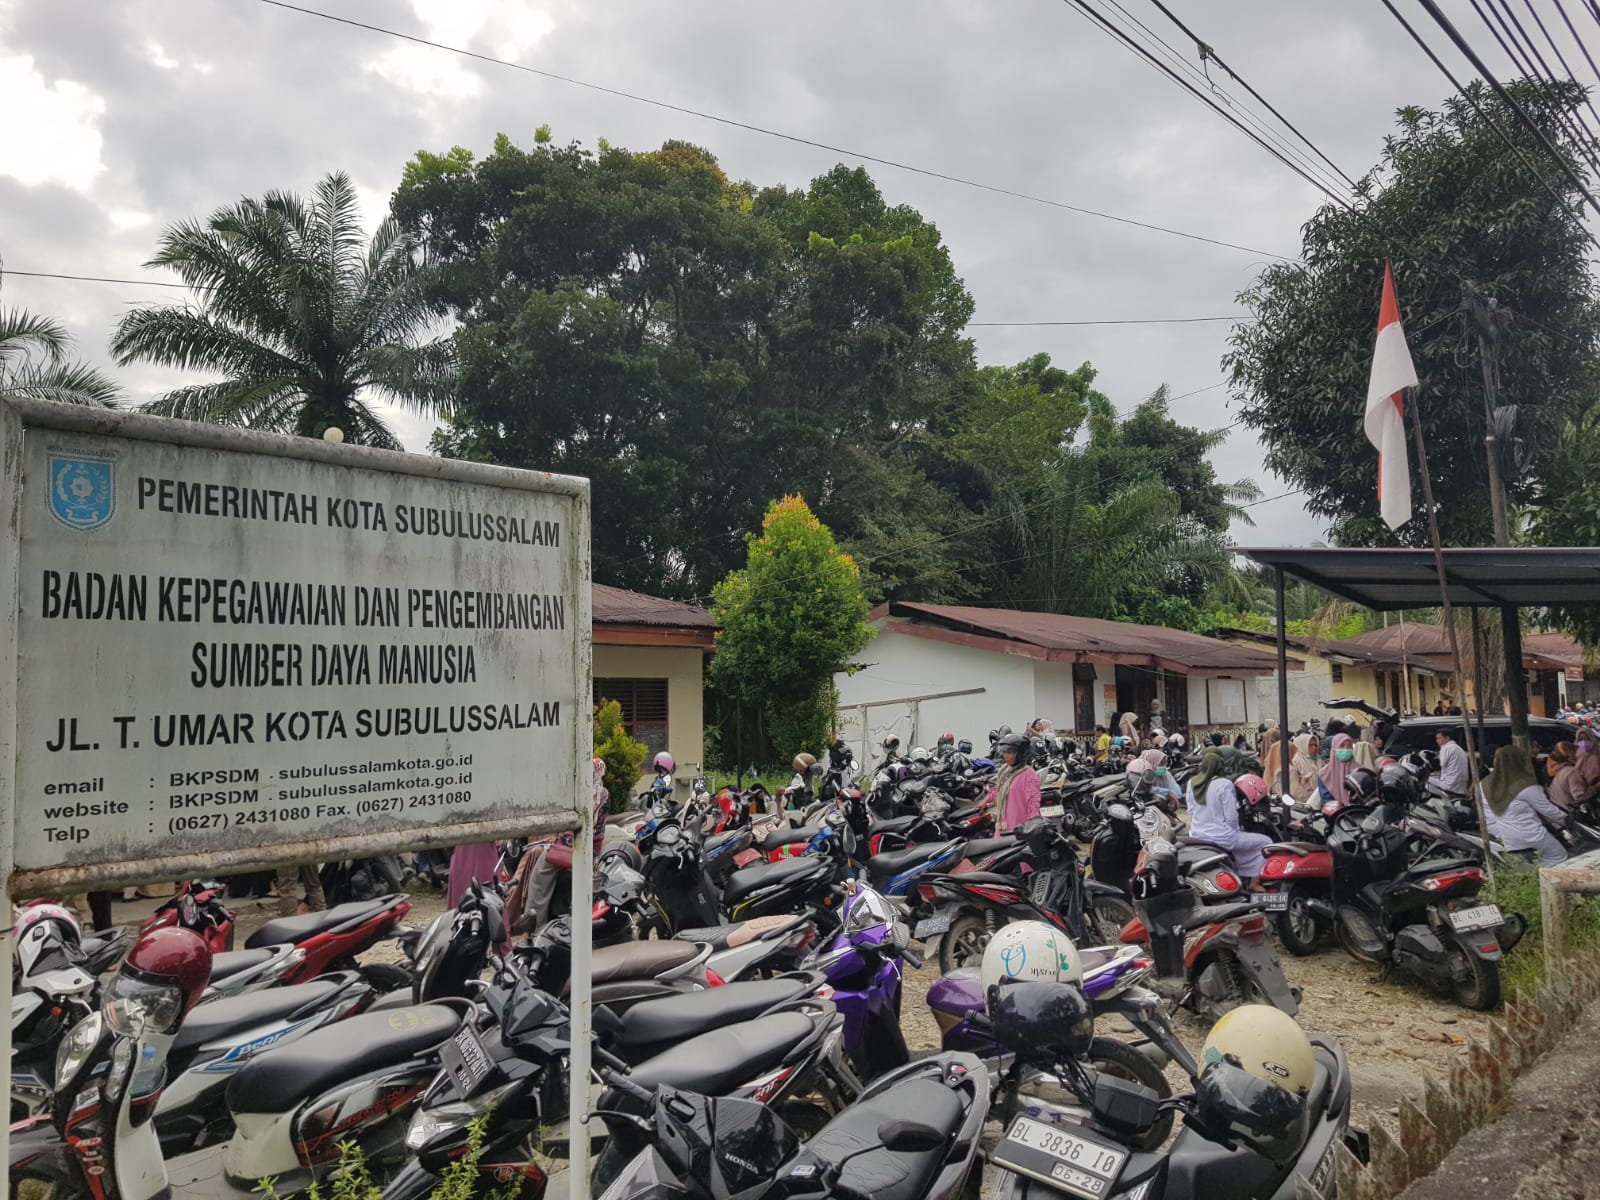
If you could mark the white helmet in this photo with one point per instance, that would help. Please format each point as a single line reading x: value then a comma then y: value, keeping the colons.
x: 38, y: 925
x: 1267, y: 1043
x: 921, y: 755
x: 1176, y: 742
x: 1031, y: 951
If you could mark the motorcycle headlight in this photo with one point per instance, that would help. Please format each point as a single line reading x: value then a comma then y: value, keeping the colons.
x: 432, y: 1123
x: 76, y: 1047
x: 134, y: 1006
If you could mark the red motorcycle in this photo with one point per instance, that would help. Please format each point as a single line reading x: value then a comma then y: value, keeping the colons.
x: 331, y: 939
x: 1301, y: 868
x: 197, y: 905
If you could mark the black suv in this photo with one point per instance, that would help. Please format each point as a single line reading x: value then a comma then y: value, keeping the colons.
x: 1418, y: 733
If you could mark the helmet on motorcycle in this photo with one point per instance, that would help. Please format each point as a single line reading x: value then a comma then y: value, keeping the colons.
x: 161, y: 979
x: 921, y: 755
x: 1015, y: 744
x: 663, y: 764
x: 1257, y: 1066
x: 1030, y: 951
x: 1175, y: 743
x: 1251, y: 788
x: 1361, y: 785
x: 38, y: 925
x: 804, y: 762
x: 1050, y: 1020
x: 964, y: 746
x: 946, y: 740
x: 1396, y: 785
x: 891, y: 744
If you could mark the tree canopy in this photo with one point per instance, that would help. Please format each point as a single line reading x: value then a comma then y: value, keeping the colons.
x: 698, y: 346
x: 304, y: 318
x: 1451, y: 206
x: 35, y: 362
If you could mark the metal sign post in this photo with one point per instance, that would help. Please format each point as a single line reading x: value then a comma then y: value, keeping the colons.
x: 227, y: 650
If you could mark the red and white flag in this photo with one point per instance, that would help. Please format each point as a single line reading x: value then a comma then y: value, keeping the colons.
x: 1385, y: 421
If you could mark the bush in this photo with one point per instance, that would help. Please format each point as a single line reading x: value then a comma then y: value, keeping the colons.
x: 1516, y: 890
x: 623, y: 756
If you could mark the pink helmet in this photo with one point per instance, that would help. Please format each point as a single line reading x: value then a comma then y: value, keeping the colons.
x: 1252, y: 787
x: 663, y: 763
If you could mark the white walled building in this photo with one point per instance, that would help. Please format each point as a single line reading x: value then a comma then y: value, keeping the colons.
x: 937, y: 668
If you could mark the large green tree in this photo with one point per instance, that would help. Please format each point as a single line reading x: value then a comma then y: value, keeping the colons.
x: 305, y: 318
x: 35, y: 362
x: 1451, y: 205
x: 696, y: 347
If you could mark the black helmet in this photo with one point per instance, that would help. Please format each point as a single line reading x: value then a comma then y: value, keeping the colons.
x: 1049, y: 1020
x: 964, y: 746
x: 1233, y: 1104
x: 1362, y: 784
x: 1398, y: 786
x: 1015, y: 743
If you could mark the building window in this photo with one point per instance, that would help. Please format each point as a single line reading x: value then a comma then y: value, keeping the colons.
x: 1336, y: 672
x: 644, y: 708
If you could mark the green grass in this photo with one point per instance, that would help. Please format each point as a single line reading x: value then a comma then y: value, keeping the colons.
x: 1517, y: 890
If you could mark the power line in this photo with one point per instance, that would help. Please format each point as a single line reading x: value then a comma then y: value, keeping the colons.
x: 1484, y: 114
x: 730, y: 321
x: 1123, y: 36
x: 733, y: 123
x: 1572, y: 29
x: 1461, y: 44
x: 1208, y: 51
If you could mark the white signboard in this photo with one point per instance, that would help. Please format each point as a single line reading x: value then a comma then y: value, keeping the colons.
x: 236, y: 648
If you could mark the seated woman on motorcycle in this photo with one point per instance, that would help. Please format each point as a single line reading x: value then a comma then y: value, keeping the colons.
x: 1520, y: 814
x: 1331, y: 779
x: 1016, y: 797
x: 1214, y: 817
x: 1161, y: 780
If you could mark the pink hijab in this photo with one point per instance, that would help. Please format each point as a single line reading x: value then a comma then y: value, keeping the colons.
x: 1333, y: 775
x: 1155, y: 758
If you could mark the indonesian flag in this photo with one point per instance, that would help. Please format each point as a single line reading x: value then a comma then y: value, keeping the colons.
x: 1385, y: 422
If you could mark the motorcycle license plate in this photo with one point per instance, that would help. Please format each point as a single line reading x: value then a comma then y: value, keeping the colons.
x: 938, y: 923
x: 1271, y: 901
x: 466, y: 1061
x: 1052, y: 812
x: 1065, y: 1159
x: 1484, y: 916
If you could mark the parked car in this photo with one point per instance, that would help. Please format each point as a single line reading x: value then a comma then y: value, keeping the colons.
x: 1418, y: 733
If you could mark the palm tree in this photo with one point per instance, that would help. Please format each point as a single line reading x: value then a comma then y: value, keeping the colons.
x: 304, y: 322
x: 34, y: 363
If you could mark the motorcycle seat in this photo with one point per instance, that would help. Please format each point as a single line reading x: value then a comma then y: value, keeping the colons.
x: 748, y: 880
x: 1298, y: 849
x: 986, y: 877
x: 715, y: 844
x: 653, y: 1027
x: 723, y: 1060
x: 894, y: 824
x: 1437, y: 867
x: 637, y: 960
x: 228, y: 963
x: 280, y: 1080
x: 308, y: 925
x: 982, y: 847
x: 1185, y: 842
x: 883, y: 867
x: 235, y: 1014
x: 882, y: 1173
x: 739, y: 933
x: 784, y: 836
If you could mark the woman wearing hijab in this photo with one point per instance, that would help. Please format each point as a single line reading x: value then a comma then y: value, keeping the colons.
x: 1016, y: 797
x: 1272, y: 760
x: 1585, y: 783
x: 1161, y: 780
x: 1366, y: 753
x: 1214, y: 817
x: 1558, y: 767
x: 1304, y: 763
x: 1128, y: 727
x: 1518, y: 807
x: 1342, y: 760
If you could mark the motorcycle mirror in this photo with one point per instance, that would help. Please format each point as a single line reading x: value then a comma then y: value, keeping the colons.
x: 909, y: 1137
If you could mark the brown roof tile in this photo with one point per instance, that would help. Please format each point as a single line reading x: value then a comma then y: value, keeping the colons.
x: 615, y: 606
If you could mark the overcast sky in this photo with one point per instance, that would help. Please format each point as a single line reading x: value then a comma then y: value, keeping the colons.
x: 122, y: 117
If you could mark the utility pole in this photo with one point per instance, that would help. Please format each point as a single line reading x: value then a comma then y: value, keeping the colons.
x: 1489, y: 322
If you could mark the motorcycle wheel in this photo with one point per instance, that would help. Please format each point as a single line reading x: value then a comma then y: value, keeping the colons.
x: 1350, y: 946
x: 1298, y: 928
x: 964, y: 943
x: 1474, y: 983
x: 1110, y: 915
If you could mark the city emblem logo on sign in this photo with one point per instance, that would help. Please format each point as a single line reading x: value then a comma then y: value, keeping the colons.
x: 82, y: 491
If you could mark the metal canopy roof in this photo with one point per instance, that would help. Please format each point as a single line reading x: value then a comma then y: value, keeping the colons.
x: 1478, y: 577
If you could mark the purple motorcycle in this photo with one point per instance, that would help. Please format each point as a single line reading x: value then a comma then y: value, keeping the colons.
x: 862, y: 964
x: 1112, y: 978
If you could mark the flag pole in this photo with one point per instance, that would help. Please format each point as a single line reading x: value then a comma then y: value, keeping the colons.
x: 1450, y: 630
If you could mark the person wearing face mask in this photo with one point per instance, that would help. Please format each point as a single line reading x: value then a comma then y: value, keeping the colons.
x: 1304, y: 764
x: 1330, y: 780
x: 1161, y: 780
